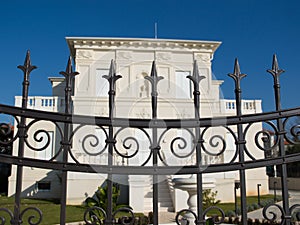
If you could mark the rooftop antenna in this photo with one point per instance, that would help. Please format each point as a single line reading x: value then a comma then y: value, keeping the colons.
x: 155, y: 36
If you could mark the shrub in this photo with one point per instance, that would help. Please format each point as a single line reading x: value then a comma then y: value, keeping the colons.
x: 100, y: 199
x: 230, y: 213
x: 238, y: 210
x: 250, y: 208
x: 150, y: 216
x: 278, y: 198
x: 263, y: 203
x: 255, y: 206
x: 209, y: 198
x: 141, y: 220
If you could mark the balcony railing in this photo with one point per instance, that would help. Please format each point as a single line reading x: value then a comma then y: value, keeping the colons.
x: 228, y: 106
x: 51, y: 104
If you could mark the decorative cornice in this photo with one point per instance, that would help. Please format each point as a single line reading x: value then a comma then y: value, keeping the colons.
x: 142, y: 43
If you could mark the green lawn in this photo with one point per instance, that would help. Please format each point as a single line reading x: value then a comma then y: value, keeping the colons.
x: 250, y: 201
x: 51, y: 211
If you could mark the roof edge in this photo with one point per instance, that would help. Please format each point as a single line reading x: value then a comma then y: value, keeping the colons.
x: 151, y: 42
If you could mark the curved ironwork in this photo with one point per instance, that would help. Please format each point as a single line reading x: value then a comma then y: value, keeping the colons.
x: 294, y: 131
x: 267, y: 138
x: 214, y: 218
x: 5, y: 132
x: 124, y: 220
x: 32, y: 219
x: 2, y: 218
x: 186, y: 216
x: 149, y: 123
x: 181, y: 142
x: 198, y: 144
x: 214, y: 142
x: 273, y: 216
x: 129, y: 142
x: 92, y: 139
x: 295, y: 212
x: 94, y: 216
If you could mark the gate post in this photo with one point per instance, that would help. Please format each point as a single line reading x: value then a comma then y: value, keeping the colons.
x: 196, y: 78
x: 237, y: 76
x: 154, y: 79
x: 275, y: 72
x: 111, y: 78
x: 66, y: 145
x: 26, y: 68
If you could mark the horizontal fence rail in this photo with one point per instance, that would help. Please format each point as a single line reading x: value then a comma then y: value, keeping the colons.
x: 109, y: 151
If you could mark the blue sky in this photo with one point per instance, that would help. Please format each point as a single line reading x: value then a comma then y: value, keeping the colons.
x: 250, y: 30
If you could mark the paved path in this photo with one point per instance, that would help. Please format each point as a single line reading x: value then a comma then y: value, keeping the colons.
x: 294, y: 199
x: 169, y: 218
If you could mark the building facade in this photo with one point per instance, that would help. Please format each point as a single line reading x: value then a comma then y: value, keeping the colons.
x: 133, y: 57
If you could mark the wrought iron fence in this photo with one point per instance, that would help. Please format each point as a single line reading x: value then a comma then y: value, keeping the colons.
x: 155, y: 164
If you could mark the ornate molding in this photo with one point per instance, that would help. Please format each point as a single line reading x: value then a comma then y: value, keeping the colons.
x: 183, y: 114
x: 84, y: 54
x: 144, y: 114
x: 124, y: 55
x: 203, y: 57
x: 103, y: 111
x: 163, y: 56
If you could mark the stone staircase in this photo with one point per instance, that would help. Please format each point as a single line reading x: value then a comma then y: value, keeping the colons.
x: 165, y: 200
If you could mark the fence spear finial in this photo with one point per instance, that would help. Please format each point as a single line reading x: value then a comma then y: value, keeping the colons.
x: 275, y: 63
x: 153, y: 69
x: 27, y: 58
x: 237, y: 75
x: 69, y: 65
x: 237, y: 69
x: 69, y: 69
x: 275, y: 71
x: 153, y: 78
x: 27, y: 67
x: 112, y: 77
x: 196, y: 78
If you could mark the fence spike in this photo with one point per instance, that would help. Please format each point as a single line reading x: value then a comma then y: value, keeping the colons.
x: 195, y: 78
x: 27, y: 67
x: 237, y: 69
x: 275, y: 71
x: 237, y: 75
x: 69, y: 69
x: 69, y: 65
x: 275, y: 63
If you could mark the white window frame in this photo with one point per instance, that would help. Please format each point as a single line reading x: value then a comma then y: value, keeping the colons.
x: 183, y: 84
x: 101, y: 85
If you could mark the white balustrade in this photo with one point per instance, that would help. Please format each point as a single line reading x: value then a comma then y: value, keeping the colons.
x: 228, y: 106
x: 41, y: 103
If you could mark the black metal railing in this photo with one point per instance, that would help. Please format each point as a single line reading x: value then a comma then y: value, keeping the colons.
x: 155, y: 164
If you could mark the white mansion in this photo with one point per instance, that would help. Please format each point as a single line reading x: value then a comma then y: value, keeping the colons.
x: 133, y: 57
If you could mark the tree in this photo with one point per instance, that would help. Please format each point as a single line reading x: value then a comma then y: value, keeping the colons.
x: 6, y: 135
